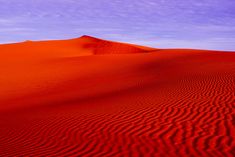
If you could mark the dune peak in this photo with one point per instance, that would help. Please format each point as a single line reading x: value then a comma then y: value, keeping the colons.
x: 88, y: 37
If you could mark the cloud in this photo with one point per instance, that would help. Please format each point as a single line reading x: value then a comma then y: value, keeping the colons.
x: 211, y: 44
x: 16, y: 29
x: 141, y: 20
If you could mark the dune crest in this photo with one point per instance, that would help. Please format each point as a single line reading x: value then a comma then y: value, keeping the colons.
x: 100, y: 46
x: 83, y: 46
x: 93, y: 97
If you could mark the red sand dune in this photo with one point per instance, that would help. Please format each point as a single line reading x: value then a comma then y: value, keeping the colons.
x: 91, y: 97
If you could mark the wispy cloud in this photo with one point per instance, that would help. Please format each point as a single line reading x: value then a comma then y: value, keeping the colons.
x: 173, y: 22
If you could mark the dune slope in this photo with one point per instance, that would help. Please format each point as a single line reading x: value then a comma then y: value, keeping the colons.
x: 92, y: 97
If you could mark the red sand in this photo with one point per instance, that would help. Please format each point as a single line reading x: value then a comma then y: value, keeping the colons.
x: 91, y: 97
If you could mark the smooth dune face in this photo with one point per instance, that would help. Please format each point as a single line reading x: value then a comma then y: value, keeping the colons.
x: 91, y: 97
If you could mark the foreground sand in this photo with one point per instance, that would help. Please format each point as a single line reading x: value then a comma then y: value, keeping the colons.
x: 91, y: 97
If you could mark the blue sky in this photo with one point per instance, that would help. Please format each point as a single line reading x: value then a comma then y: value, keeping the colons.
x: 203, y: 24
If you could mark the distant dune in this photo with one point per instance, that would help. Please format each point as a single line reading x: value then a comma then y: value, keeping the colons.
x: 93, y: 97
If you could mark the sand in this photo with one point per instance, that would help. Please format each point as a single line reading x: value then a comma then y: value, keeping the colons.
x: 92, y: 97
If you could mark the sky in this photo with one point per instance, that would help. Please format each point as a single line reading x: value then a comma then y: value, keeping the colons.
x: 201, y: 24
